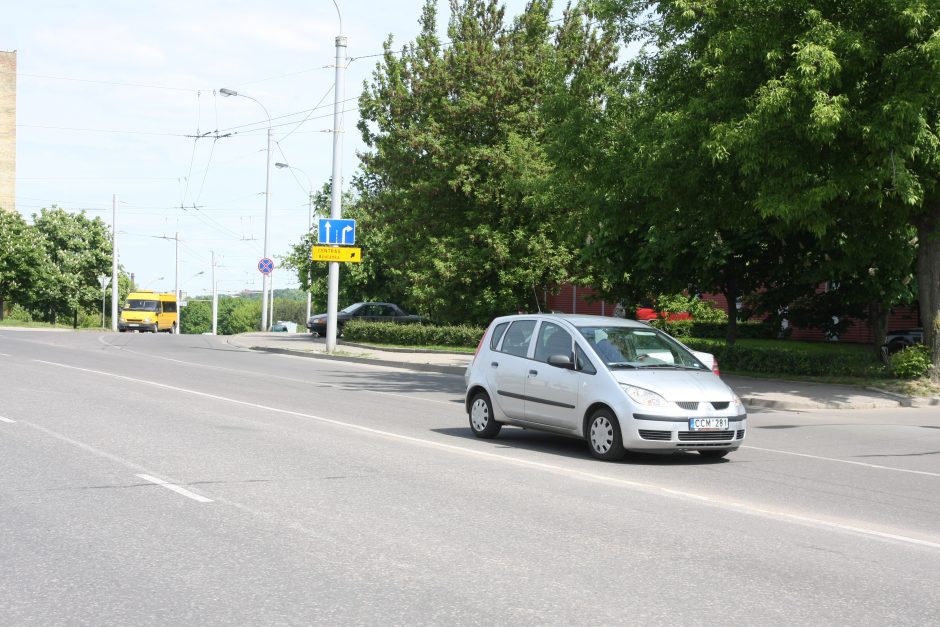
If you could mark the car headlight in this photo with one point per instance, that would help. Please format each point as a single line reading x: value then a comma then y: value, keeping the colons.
x: 736, y: 401
x: 146, y: 319
x: 644, y: 397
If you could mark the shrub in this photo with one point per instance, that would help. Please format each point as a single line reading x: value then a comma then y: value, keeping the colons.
x: 715, y: 330
x: 911, y: 362
x: 412, y: 334
x: 785, y: 360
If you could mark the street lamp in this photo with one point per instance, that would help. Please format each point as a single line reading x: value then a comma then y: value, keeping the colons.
x: 309, y: 228
x: 265, y: 281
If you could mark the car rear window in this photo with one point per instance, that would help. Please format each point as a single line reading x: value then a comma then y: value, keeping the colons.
x: 498, y: 334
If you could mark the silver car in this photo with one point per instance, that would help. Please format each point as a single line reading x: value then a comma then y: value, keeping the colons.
x: 619, y: 384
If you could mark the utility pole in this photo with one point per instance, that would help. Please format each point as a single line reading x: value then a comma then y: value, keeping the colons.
x: 114, y: 265
x: 266, y: 278
x: 336, y: 188
x: 215, y: 300
x: 177, y: 288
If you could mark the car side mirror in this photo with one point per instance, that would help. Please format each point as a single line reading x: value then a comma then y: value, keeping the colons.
x: 561, y: 361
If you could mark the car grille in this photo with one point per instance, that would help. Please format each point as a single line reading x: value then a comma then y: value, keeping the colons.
x: 693, y: 405
x: 688, y: 436
x: 653, y: 434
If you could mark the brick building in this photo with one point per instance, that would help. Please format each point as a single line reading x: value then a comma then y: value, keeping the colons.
x: 8, y: 130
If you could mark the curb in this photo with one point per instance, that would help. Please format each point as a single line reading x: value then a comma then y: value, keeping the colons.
x: 452, y: 370
x: 410, y: 351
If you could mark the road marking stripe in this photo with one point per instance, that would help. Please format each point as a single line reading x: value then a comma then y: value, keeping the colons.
x: 844, y: 461
x: 114, y: 458
x: 651, y: 488
x: 5, y: 355
x: 280, y: 378
x: 7, y: 420
x: 175, y: 488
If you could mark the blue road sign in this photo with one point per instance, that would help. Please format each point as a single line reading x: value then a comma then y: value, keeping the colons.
x: 337, y: 232
x: 266, y: 266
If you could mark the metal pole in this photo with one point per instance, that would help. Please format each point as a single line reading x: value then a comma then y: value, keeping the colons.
x: 309, y: 272
x: 177, y: 288
x: 104, y: 290
x: 336, y: 190
x: 265, y: 281
x: 215, y: 300
x: 114, y: 265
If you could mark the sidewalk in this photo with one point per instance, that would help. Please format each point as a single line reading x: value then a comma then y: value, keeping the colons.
x: 766, y: 393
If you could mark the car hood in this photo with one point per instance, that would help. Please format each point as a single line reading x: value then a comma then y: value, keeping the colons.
x: 677, y: 385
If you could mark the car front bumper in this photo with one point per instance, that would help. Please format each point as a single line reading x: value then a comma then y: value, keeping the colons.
x: 645, y: 432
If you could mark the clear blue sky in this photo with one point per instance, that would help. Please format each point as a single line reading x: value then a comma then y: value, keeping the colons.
x: 110, y: 91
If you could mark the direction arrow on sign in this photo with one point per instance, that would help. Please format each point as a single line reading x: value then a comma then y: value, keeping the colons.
x: 334, y: 253
x: 336, y: 231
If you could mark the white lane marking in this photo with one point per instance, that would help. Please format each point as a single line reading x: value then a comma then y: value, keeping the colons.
x: 5, y: 355
x: 651, y: 488
x: 844, y: 461
x: 280, y: 378
x: 7, y: 420
x: 114, y: 458
x: 175, y: 488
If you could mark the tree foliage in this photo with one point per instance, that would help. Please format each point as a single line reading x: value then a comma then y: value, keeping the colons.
x: 79, y: 250
x: 783, y: 126
x: 457, y: 165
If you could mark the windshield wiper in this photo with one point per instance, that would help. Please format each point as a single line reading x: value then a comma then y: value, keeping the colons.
x: 622, y: 364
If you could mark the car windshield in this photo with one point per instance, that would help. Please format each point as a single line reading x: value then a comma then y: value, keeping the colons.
x: 351, y: 308
x: 141, y: 305
x: 639, y: 348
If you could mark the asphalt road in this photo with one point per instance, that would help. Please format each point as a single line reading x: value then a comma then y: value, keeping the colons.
x: 180, y: 480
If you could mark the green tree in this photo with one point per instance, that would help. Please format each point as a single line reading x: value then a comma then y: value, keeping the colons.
x: 839, y: 124
x: 23, y: 260
x: 456, y: 178
x: 80, y: 251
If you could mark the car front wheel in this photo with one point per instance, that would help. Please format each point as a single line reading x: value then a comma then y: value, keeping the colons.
x: 603, y: 436
x: 482, y: 422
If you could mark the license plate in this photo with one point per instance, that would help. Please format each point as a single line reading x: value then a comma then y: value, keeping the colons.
x: 707, y: 424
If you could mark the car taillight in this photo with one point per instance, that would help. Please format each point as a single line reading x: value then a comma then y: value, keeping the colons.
x: 715, y: 366
x: 479, y: 344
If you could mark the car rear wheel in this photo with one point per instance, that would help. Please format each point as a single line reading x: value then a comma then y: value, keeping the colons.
x: 603, y: 436
x: 714, y: 454
x: 482, y: 422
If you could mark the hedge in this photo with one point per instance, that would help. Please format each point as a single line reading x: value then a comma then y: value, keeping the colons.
x: 682, y: 329
x: 412, y: 334
x: 795, y: 361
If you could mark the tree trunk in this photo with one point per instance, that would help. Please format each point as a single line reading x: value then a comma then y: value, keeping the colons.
x: 2, y: 307
x: 75, y: 319
x: 731, y: 296
x: 928, y: 280
x: 878, y: 321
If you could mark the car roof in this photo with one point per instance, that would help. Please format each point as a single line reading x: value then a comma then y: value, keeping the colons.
x: 579, y: 320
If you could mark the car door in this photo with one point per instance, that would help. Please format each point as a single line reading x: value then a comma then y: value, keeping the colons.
x: 507, y: 369
x: 551, y: 392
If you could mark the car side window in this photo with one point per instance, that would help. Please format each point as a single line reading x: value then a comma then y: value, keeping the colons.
x: 498, y: 334
x: 553, y: 340
x: 517, y: 338
x: 582, y: 363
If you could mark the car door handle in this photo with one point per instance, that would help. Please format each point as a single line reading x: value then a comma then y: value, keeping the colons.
x: 534, y: 373
x: 494, y: 364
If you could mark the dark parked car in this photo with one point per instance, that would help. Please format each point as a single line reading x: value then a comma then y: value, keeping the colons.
x: 372, y: 312
x: 897, y: 340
